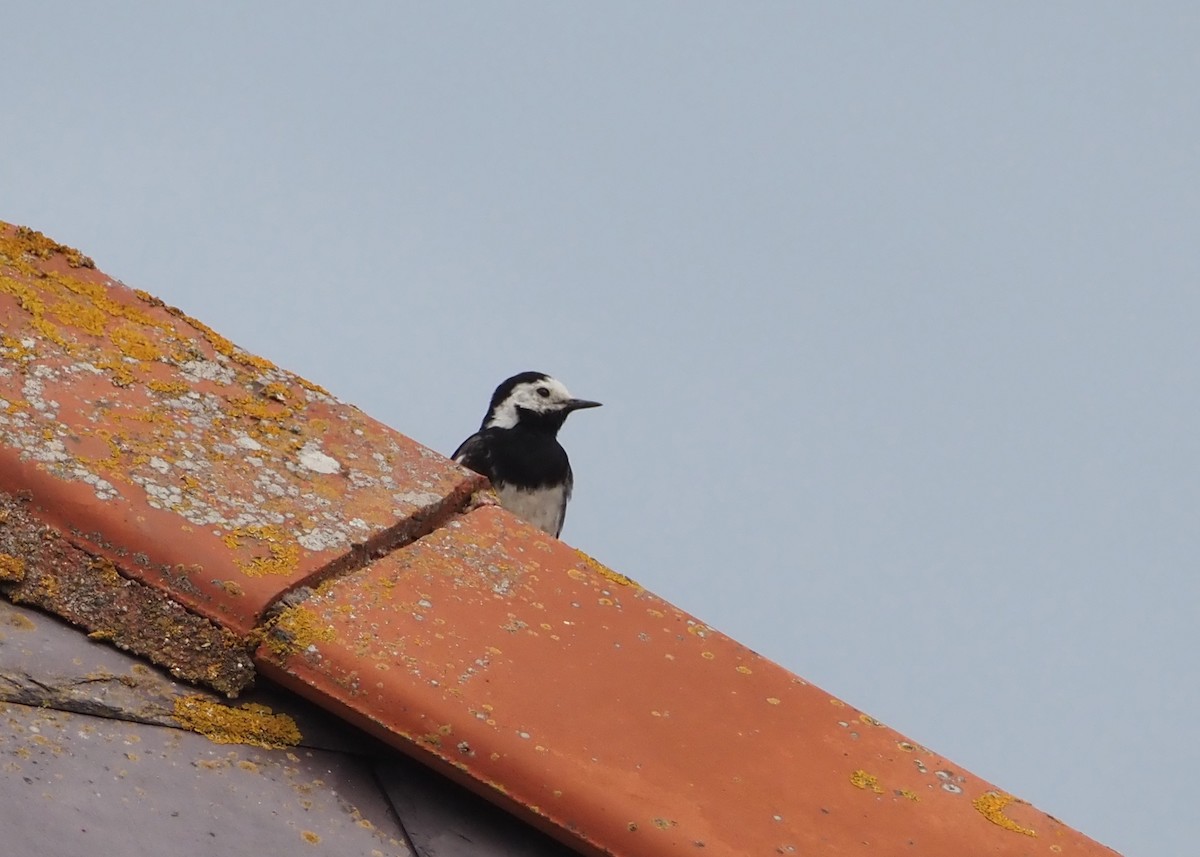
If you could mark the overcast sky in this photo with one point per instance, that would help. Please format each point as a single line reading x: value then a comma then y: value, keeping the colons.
x: 893, y: 308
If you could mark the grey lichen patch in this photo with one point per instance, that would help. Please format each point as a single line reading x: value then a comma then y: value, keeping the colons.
x: 61, y: 579
x: 312, y: 458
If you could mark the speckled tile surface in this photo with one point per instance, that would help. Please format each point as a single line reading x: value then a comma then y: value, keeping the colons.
x: 177, y: 496
x: 151, y: 440
x: 589, y: 705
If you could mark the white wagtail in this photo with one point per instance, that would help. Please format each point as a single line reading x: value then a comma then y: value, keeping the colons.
x: 517, y: 448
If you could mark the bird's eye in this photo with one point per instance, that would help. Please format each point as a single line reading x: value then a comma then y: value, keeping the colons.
x: 543, y: 391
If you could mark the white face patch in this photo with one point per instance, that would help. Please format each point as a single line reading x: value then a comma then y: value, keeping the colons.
x: 530, y: 397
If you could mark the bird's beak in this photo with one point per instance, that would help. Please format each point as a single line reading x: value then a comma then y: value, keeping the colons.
x: 580, y: 404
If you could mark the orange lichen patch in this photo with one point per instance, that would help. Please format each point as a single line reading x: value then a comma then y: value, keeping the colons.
x: 89, y: 318
x: 606, y: 572
x: 257, y: 408
x: 250, y: 723
x: 172, y: 387
x: 222, y: 345
x: 19, y: 621
x: 282, y: 552
x: 26, y: 241
x: 12, y: 568
x: 231, y: 586
x: 860, y: 779
x: 134, y: 343
x: 991, y: 806
x: 295, y: 629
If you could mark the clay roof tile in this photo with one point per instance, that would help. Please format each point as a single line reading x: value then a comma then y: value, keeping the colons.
x: 170, y: 491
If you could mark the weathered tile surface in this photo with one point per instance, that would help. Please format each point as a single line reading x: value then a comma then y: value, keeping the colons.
x: 612, y: 718
x: 39, y: 567
x: 150, y: 440
x: 147, y: 463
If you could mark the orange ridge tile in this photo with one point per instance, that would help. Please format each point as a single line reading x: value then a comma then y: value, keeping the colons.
x: 148, y: 439
x: 617, y: 722
x: 549, y: 684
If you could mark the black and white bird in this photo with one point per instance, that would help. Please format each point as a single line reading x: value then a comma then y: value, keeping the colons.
x: 517, y: 448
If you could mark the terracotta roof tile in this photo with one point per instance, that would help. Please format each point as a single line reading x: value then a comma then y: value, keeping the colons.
x: 195, y: 466
x: 587, y: 704
x: 553, y: 686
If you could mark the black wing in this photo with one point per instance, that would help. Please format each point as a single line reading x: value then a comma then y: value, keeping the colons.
x: 475, y: 454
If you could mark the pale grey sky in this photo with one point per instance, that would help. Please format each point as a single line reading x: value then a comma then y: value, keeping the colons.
x: 893, y: 309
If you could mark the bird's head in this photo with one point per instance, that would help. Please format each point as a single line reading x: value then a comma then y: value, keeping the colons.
x: 532, y: 399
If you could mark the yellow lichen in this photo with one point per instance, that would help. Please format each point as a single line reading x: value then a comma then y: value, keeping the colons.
x: 605, y: 572
x: 219, y: 343
x: 256, y: 408
x: 15, y: 349
x: 294, y: 630
x: 232, y: 587
x: 284, y: 553
x: 47, y: 587
x: 84, y: 316
x: 173, y: 388
x: 247, y: 724
x: 12, y: 568
x: 991, y: 806
x: 48, y: 330
x: 34, y: 243
x: 19, y: 621
x: 134, y: 343
x: 281, y: 392
x: 862, y: 780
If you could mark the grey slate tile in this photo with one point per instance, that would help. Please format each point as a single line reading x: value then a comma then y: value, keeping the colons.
x: 73, y: 784
x: 443, y: 819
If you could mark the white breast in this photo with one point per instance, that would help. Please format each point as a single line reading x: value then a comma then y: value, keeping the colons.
x: 542, y: 507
